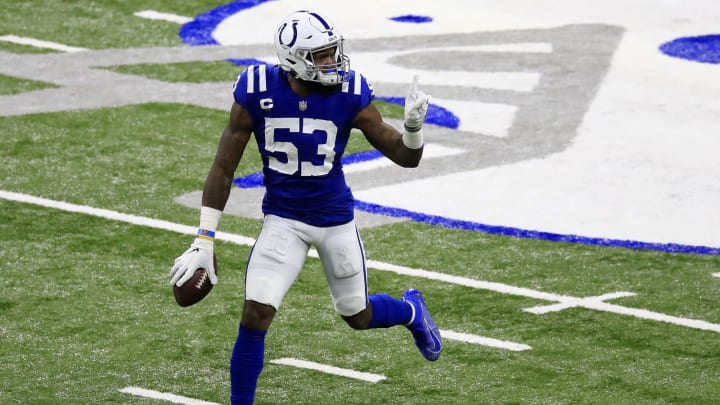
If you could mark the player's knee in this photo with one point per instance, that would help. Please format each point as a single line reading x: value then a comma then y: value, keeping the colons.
x: 359, y: 321
x: 350, y: 306
x: 354, y: 323
x: 263, y: 290
x: 257, y: 316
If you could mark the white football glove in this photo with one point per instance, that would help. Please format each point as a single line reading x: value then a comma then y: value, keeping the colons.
x: 416, y: 106
x: 199, y: 255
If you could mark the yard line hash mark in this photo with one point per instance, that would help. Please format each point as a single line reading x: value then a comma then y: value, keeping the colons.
x: 463, y: 281
x: 484, y: 341
x: 156, y: 15
x: 38, y: 43
x: 344, y: 372
x: 164, y: 396
x: 579, y: 302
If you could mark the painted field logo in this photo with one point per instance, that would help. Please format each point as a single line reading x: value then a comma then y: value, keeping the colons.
x: 703, y: 49
x: 519, y: 95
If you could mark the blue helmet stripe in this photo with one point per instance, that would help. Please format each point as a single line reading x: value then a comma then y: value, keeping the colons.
x: 322, y: 21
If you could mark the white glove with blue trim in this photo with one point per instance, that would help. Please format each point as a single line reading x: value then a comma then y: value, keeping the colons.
x: 199, y: 255
x: 416, y: 106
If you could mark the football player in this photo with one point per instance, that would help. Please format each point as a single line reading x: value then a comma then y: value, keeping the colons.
x: 301, y: 113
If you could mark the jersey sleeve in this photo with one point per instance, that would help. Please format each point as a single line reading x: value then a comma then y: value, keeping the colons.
x: 366, y: 91
x: 240, y: 83
x: 251, y: 81
x: 359, y: 89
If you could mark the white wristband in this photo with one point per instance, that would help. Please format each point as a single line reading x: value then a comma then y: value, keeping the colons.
x: 209, y: 218
x: 413, y: 140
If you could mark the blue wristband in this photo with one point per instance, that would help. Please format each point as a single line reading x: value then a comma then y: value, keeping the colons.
x: 206, y: 234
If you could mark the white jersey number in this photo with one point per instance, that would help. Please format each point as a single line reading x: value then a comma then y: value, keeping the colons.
x: 299, y: 126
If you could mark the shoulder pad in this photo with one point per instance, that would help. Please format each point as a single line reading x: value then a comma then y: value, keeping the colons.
x: 256, y: 79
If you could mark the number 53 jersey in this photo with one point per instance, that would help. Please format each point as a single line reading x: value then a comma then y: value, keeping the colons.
x: 301, y: 141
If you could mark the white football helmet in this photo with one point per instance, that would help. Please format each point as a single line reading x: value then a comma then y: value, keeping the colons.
x: 303, y: 33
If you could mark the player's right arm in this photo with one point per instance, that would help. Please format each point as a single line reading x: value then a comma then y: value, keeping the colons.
x: 216, y: 191
x: 232, y: 145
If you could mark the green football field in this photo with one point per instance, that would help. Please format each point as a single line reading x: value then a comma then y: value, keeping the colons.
x: 89, y: 229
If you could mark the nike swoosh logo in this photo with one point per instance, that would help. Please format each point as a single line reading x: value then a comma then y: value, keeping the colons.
x: 434, y: 348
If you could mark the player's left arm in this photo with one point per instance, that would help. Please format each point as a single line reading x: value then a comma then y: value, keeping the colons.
x: 404, y: 148
x: 385, y: 138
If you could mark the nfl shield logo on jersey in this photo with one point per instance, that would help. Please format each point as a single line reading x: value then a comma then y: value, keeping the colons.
x: 302, y: 105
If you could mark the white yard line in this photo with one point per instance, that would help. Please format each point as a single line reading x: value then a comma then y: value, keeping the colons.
x: 595, y: 304
x: 118, y: 216
x: 544, y: 309
x: 164, y: 396
x: 483, y: 341
x: 344, y: 372
x: 38, y: 43
x: 156, y: 15
x: 310, y: 365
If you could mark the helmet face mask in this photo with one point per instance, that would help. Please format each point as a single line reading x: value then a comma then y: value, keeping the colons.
x: 300, y: 37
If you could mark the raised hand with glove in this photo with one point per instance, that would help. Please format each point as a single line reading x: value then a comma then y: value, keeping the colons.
x: 416, y: 106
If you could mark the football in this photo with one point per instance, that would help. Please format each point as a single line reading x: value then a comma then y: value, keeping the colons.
x: 195, y: 289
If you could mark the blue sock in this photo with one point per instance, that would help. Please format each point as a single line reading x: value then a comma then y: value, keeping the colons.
x: 388, y: 311
x: 246, y: 363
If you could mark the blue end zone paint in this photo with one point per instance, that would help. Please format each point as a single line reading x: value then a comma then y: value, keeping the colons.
x: 361, y: 157
x: 528, y: 234
x: 199, y: 31
x: 409, y: 18
x: 250, y: 181
x: 435, y: 115
x: 704, y: 49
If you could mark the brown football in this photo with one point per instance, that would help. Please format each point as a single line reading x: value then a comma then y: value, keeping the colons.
x: 195, y: 289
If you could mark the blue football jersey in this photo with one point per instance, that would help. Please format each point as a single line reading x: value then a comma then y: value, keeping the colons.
x: 301, y: 141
